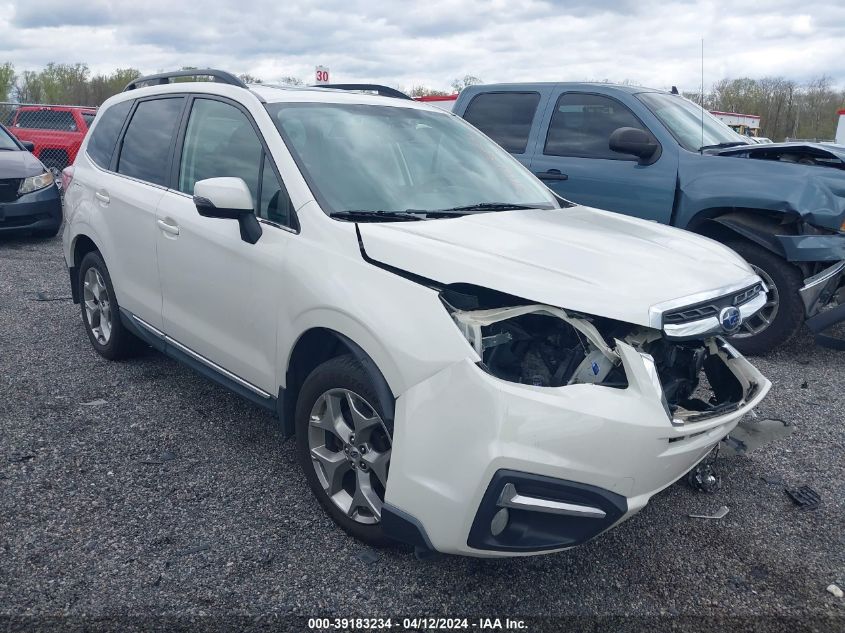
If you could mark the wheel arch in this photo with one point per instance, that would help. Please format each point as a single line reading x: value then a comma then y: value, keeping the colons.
x: 314, y: 347
x: 82, y: 245
x: 760, y: 226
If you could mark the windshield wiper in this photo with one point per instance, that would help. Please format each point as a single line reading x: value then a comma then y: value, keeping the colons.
x: 482, y: 206
x: 723, y: 145
x: 365, y: 215
x: 376, y: 216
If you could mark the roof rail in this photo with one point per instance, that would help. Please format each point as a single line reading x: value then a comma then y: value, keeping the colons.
x: 220, y: 76
x: 382, y: 91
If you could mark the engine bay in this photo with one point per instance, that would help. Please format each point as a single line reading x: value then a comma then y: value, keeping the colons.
x: 544, y: 346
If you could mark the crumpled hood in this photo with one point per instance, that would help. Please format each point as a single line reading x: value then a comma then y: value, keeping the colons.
x: 822, y: 150
x: 576, y: 258
x: 19, y: 164
x: 815, y: 192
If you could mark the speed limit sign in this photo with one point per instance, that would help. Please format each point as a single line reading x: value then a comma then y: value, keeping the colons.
x: 322, y: 74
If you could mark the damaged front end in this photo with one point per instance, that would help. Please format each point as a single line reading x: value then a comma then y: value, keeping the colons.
x: 546, y: 346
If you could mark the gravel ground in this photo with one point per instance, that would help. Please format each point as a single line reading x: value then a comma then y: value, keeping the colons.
x: 139, y: 488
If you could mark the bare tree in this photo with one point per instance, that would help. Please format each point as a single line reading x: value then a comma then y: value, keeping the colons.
x: 468, y: 80
x: 423, y: 91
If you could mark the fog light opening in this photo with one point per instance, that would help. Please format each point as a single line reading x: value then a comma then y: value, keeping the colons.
x: 499, y: 522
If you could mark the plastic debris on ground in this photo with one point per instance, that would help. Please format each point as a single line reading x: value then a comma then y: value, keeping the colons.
x: 721, y: 513
x: 804, y: 497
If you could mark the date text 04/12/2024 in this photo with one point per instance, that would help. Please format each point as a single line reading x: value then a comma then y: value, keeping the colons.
x: 416, y: 624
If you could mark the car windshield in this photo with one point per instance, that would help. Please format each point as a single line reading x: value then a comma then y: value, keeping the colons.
x: 6, y: 141
x: 683, y: 119
x: 389, y: 160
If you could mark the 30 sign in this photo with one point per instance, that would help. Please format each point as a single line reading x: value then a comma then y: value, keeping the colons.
x: 322, y: 75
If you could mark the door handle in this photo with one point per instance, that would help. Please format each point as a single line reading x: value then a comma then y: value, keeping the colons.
x: 552, y: 174
x: 172, y: 229
x: 102, y: 195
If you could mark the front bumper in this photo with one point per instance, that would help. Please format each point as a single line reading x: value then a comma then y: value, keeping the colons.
x: 457, y: 432
x: 39, y: 210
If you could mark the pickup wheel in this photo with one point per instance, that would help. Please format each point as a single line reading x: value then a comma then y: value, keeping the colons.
x: 101, y: 312
x: 783, y: 314
x: 343, y: 446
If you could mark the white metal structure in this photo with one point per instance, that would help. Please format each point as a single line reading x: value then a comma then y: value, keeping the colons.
x: 482, y: 374
x: 840, y: 127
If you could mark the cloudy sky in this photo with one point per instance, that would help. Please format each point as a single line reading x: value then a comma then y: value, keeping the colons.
x: 651, y: 42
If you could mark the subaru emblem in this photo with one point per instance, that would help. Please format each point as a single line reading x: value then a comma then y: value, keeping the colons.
x: 730, y: 319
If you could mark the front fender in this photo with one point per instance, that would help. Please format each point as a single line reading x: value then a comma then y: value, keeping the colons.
x: 792, y: 191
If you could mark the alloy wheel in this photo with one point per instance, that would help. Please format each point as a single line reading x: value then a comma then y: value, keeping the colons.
x: 766, y: 315
x: 350, y: 451
x: 97, y: 306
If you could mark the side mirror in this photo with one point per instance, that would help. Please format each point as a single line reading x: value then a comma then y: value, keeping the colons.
x: 228, y: 199
x: 28, y: 146
x: 631, y: 140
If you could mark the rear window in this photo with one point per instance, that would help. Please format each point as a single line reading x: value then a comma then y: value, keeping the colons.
x: 104, y: 137
x: 146, y: 145
x: 46, y: 120
x: 505, y: 117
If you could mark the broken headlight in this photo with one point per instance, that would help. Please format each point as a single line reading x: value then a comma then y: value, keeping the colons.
x: 533, y: 344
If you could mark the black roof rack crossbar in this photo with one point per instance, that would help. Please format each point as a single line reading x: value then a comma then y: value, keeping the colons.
x: 383, y: 91
x: 220, y: 76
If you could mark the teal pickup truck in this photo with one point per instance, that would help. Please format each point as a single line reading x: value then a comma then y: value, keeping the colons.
x: 658, y: 156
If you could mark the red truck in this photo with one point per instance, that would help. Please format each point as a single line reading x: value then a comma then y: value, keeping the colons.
x: 56, y: 131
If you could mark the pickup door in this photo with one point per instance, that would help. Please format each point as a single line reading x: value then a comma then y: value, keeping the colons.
x: 575, y: 143
x: 568, y: 148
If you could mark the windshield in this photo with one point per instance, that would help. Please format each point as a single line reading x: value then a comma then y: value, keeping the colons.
x: 6, y: 141
x: 381, y: 159
x: 683, y: 119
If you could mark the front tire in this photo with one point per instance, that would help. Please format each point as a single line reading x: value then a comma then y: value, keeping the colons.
x: 782, y: 316
x: 343, y: 446
x: 101, y: 312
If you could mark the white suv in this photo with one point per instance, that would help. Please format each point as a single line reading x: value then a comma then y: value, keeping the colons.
x: 468, y: 363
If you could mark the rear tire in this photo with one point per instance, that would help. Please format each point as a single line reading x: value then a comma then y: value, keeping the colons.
x: 785, y: 317
x: 343, y: 446
x: 101, y: 312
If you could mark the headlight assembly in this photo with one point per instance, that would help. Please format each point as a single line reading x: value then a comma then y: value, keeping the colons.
x: 34, y: 183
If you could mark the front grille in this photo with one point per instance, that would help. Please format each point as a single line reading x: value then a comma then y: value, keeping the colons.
x: 713, y: 307
x: 9, y: 189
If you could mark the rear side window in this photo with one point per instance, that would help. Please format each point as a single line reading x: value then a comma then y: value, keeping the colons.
x: 581, y: 126
x: 104, y: 137
x: 505, y: 117
x: 88, y: 117
x: 46, y: 120
x: 146, y: 145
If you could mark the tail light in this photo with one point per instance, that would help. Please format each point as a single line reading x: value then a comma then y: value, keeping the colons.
x: 67, y: 177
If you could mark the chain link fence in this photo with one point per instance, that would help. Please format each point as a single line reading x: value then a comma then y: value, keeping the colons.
x: 55, y: 131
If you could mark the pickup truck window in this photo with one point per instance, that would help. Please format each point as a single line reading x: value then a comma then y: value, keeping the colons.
x: 684, y: 121
x: 88, y: 117
x: 46, y: 120
x: 581, y: 126
x: 376, y: 159
x: 505, y: 117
